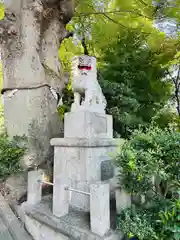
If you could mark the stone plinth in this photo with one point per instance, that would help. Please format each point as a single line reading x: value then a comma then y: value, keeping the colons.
x: 123, y: 200
x: 43, y: 225
x: 84, y: 124
x: 78, y: 162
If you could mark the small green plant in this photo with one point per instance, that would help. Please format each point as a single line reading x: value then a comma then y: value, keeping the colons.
x: 170, y: 219
x: 1, y: 11
x: 67, y: 101
x: 149, y: 166
x: 11, y: 152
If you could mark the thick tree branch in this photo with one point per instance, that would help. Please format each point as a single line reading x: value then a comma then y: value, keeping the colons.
x: 177, y: 92
x: 120, y: 24
x: 135, y: 12
x: 176, y: 82
x: 114, y: 21
x: 178, y: 75
x: 84, y: 46
x: 171, y: 77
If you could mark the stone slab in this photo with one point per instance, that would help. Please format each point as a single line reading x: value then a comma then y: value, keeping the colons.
x: 73, y: 226
x: 123, y: 200
x: 4, y: 233
x: 85, y: 142
x: 11, y: 225
x: 86, y: 124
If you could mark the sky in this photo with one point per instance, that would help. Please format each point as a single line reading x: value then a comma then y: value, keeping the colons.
x: 168, y: 27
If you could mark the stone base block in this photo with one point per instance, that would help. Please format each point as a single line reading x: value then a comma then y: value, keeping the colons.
x: 43, y: 225
x: 85, y: 124
x: 123, y: 200
x: 79, y: 163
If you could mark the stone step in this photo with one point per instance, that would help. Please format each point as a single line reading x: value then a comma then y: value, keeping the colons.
x: 4, y: 233
x: 12, y: 228
x: 73, y: 226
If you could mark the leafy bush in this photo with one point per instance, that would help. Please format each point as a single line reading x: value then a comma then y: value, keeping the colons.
x: 132, y: 82
x: 11, y: 152
x: 149, y: 166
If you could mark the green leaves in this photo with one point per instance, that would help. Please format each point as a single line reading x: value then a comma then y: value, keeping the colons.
x: 169, y: 218
x: 11, y: 152
x: 133, y: 57
x: 136, y: 224
x: 1, y: 11
x: 132, y: 82
x: 156, y: 152
x: 149, y: 166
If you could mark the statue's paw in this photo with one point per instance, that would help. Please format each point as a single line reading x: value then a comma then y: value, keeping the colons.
x: 85, y: 104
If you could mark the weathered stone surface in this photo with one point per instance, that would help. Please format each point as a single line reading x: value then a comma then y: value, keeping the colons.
x: 107, y: 170
x: 78, y: 162
x: 9, y: 224
x: 4, y: 233
x: 100, y: 208
x: 30, y: 61
x: 34, y: 187
x: 86, y: 143
x: 60, y: 198
x: 11, y: 191
x: 123, y: 200
x: 40, y: 231
x: 74, y: 226
x: 86, y: 124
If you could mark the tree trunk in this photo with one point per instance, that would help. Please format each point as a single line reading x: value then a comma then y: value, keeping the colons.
x: 30, y: 36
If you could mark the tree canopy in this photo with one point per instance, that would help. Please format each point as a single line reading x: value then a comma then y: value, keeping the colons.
x: 132, y: 82
x: 138, y: 61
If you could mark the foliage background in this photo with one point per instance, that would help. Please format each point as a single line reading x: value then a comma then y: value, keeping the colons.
x: 134, y: 59
x: 11, y: 152
x: 149, y: 166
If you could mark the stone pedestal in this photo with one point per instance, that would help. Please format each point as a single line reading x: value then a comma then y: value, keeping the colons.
x: 123, y: 200
x: 84, y: 124
x: 81, y: 155
x: 78, y: 162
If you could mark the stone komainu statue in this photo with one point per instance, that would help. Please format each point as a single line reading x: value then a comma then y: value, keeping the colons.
x: 85, y: 85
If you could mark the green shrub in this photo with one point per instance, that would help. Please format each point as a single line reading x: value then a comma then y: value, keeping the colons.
x: 11, y: 152
x: 149, y: 166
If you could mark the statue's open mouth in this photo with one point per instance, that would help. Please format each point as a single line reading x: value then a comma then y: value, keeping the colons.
x: 81, y: 67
